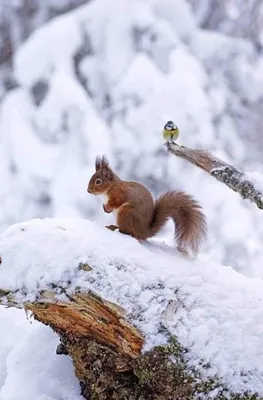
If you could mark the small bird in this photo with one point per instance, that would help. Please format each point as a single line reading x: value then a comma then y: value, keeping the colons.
x: 170, y: 132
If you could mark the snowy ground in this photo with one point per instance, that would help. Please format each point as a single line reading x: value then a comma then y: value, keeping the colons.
x: 29, y: 366
x: 219, y: 312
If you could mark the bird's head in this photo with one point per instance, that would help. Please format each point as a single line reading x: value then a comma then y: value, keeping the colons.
x: 170, y: 126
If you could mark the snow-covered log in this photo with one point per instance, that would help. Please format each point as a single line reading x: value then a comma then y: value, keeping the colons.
x: 222, y: 171
x: 139, y: 320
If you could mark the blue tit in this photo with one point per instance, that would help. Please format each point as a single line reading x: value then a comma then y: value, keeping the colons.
x: 170, y: 132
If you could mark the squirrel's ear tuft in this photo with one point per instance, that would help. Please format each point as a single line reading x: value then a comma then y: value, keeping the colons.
x: 98, y: 163
x: 101, y: 162
x: 102, y: 165
x: 105, y: 168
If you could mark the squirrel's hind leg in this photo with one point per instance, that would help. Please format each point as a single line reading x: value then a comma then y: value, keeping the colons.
x: 130, y: 224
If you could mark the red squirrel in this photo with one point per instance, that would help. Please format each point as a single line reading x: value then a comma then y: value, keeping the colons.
x: 139, y: 216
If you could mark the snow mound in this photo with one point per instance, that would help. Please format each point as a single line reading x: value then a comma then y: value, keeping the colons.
x: 30, y: 371
x: 217, y: 313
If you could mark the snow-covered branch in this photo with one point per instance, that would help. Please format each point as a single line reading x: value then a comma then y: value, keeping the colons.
x: 223, y: 172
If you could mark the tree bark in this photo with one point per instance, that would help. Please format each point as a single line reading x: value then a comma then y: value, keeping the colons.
x: 222, y: 171
x: 96, y: 335
x: 89, y: 316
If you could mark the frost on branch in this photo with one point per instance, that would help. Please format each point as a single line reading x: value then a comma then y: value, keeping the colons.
x: 223, y: 172
x: 137, y: 319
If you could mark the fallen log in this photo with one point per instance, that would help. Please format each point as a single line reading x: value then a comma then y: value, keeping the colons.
x: 138, y: 320
x: 107, y: 351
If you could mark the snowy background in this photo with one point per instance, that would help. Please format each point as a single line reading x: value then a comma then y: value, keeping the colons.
x: 81, y: 78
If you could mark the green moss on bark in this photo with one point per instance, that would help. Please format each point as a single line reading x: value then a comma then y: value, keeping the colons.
x: 166, y: 372
x: 159, y: 374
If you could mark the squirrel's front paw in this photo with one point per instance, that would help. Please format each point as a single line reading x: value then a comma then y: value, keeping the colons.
x: 107, y: 209
x: 112, y: 227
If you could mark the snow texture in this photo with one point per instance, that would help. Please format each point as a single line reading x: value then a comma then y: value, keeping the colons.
x: 255, y: 178
x: 217, y: 313
x: 29, y: 366
x: 105, y: 78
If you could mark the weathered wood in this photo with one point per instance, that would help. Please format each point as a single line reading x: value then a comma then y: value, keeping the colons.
x: 88, y: 316
x: 95, y: 334
x: 83, y: 315
x: 222, y: 171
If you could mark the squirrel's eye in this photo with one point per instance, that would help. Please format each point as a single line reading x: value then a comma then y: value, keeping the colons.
x: 98, y: 181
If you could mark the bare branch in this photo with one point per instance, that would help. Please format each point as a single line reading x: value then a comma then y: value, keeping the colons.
x: 220, y: 170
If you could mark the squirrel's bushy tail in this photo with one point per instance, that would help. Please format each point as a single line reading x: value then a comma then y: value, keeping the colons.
x: 186, y: 212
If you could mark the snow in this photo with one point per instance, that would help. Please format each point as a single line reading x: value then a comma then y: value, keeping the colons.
x: 44, y: 45
x: 30, y: 368
x: 179, y: 14
x: 26, y: 147
x: 216, y: 312
x: 218, y: 48
x: 256, y: 178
